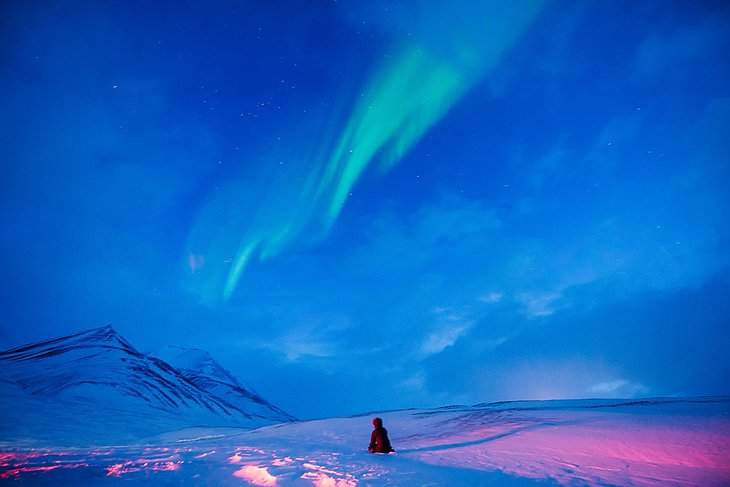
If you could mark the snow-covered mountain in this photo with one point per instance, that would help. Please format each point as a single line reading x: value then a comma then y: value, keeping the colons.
x: 201, y: 369
x: 102, y: 377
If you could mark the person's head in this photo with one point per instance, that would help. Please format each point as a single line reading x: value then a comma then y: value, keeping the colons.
x: 377, y: 422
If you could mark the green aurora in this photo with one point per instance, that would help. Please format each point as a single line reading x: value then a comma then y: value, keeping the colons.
x: 404, y: 99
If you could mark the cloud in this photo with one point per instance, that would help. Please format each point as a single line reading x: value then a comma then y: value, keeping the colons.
x: 450, y: 229
x: 446, y: 333
x: 618, y: 388
x: 682, y: 52
x: 491, y: 298
x: 452, y: 220
x: 300, y: 346
x: 538, y: 304
x: 310, y: 336
x: 533, y: 377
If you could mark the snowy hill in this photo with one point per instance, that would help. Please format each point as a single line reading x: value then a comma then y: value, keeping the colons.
x: 98, y: 376
x: 658, y: 442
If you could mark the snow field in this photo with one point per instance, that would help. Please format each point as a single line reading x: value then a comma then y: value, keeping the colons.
x: 660, y: 442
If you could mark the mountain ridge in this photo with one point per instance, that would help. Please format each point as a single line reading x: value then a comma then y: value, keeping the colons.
x: 98, y: 371
x: 200, y: 368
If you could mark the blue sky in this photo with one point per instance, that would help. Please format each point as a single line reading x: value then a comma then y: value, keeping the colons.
x: 363, y: 205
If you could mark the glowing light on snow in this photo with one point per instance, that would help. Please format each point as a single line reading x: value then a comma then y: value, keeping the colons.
x: 601, y: 448
x: 203, y: 455
x: 323, y: 480
x: 405, y: 97
x: 119, y: 469
x: 14, y: 465
x: 282, y: 462
x: 245, y: 453
x: 15, y: 473
x: 255, y: 475
x: 326, y: 477
x: 234, y: 459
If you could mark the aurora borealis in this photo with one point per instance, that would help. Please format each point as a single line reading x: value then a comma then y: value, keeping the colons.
x: 394, y: 204
x: 405, y: 97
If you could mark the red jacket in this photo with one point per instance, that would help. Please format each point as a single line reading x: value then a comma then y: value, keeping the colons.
x: 379, y: 442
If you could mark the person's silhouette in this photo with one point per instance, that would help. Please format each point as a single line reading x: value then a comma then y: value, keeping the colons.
x: 379, y: 441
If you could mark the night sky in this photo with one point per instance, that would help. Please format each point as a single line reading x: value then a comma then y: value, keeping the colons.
x: 362, y: 205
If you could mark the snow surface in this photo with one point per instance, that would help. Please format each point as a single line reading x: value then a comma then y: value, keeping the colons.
x: 683, y: 442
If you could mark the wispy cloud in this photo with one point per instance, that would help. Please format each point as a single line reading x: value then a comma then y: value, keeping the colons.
x: 441, y: 230
x: 664, y: 50
x: 450, y: 326
x: 309, y: 336
x: 618, y: 388
x: 491, y: 298
x: 537, y: 304
x: 445, y: 336
x: 297, y: 347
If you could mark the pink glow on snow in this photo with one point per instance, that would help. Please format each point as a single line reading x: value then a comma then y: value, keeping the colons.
x: 312, y: 466
x: 203, y: 455
x: 324, y: 480
x: 16, y: 464
x: 167, y: 466
x: 155, y: 460
x: 15, y: 473
x: 6, y: 458
x: 116, y: 463
x: 119, y: 469
x: 236, y: 458
x: 327, y: 477
x: 643, y: 451
x: 246, y: 453
x: 255, y: 475
x: 282, y: 462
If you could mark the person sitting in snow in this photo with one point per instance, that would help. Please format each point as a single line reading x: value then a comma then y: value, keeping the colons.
x: 379, y: 442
